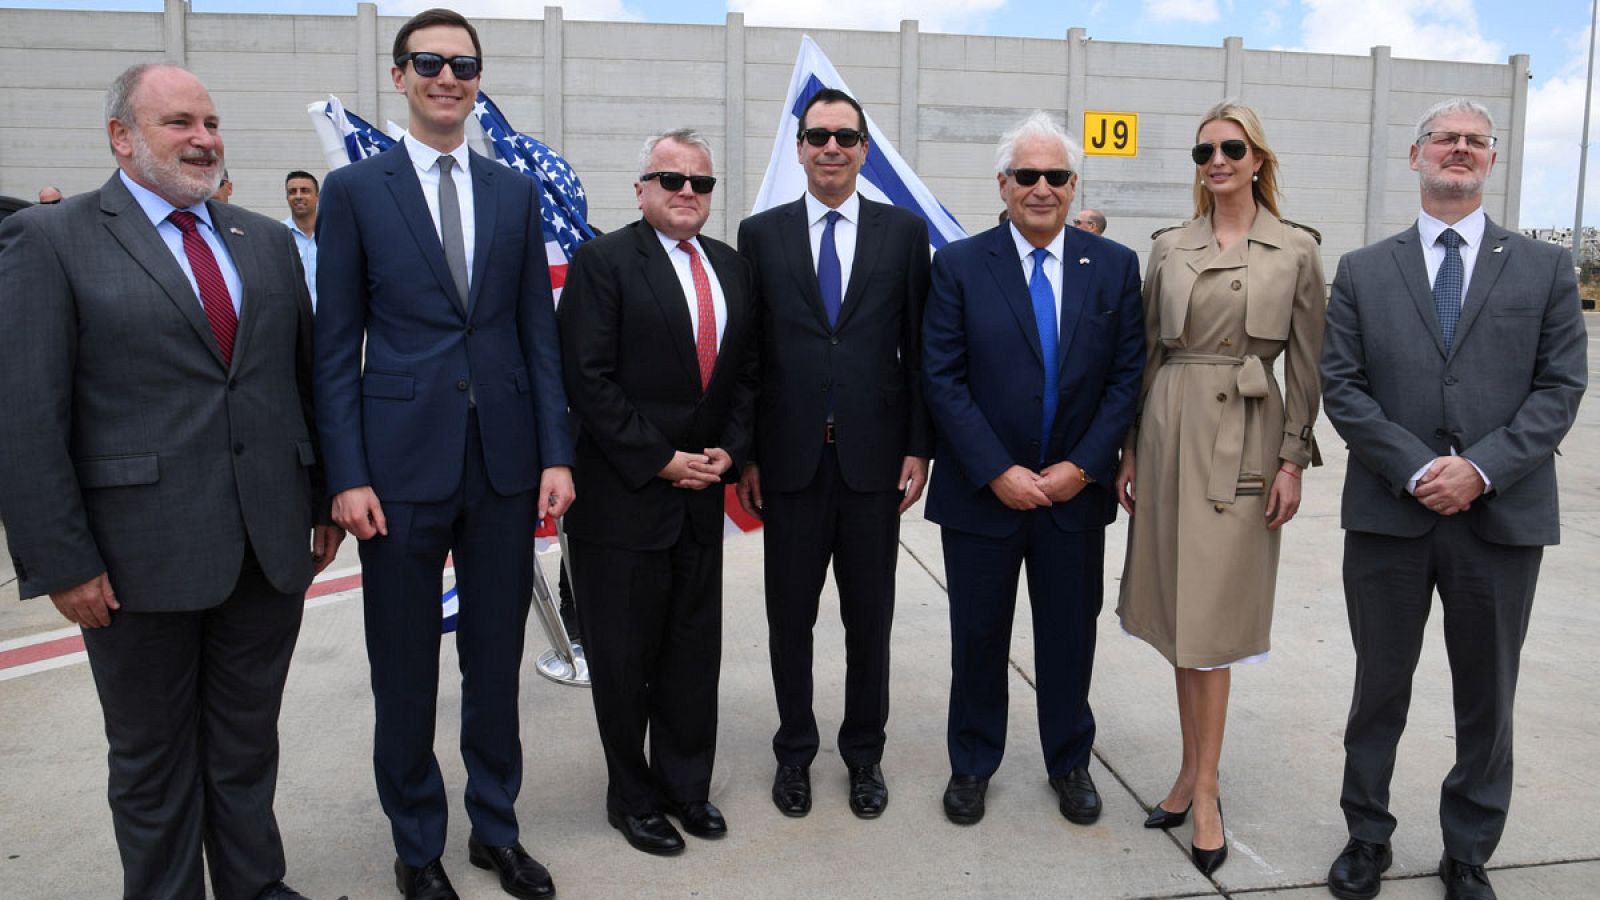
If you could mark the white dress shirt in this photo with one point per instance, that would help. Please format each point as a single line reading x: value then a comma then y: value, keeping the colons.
x: 680, y: 265
x: 307, y: 245
x: 1052, y: 263
x: 426, y: 159
x: 844, y: 235
x: 157, y: 210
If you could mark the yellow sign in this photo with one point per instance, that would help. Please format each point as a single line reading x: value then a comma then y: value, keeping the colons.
x: 1111, y: 133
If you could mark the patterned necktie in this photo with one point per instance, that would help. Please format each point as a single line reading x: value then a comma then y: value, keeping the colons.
x: 1044, y: 313
x: 828, y: 278
x: 213, y: 289
x: 455, y: 246
x: 705, y: 339
x: 1447, y: 286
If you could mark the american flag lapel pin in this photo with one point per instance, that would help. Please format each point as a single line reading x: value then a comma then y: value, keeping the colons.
x: 1083, y: 260
x: 1497, y: 249
x: 237, y: 231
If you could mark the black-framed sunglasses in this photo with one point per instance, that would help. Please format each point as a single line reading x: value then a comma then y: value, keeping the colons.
x: 1030, y: 177
x: 427, y: 65
x: 1232, y: 149
x: 818, y: 137
x: 673, y: 181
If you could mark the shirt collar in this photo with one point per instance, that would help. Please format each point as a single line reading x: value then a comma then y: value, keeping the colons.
x: 849, y: 210
x: 157, y: 208
x: 1470, y: 228
x: 1057, y: 245
x: 425, y: 157
x: 671, y: 244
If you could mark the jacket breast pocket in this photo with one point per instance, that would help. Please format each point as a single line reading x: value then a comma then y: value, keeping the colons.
x: 387, y: 386
x: 118, y: 471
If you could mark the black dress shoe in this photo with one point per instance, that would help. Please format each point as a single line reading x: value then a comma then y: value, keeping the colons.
x: 1161, y: 817
x: 424, y: 883
x: 791, y: 790
x: 869, y: 795
x: 700, y: 818
x: 651, y: 833
x: 1463, y: 881
x: 1357, y: 873
x: 520, y: 874
x: 1080, y: 802
x: 279, y: 891
x: 1208, y: 861
x: 963, y: 798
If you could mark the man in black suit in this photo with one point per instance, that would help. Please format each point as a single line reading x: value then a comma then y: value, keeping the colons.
x: 842, y: 436
x: 158, y: 479
x: 657, y: 343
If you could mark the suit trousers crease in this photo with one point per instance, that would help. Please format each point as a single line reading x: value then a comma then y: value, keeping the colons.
x: 1065, y: 573
x: 491, y: 539
x: 653, y: 640
x: 191, y: 703
x: 860, y: 533
x: 1486, y: 594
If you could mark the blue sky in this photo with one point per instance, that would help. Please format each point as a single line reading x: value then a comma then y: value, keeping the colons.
x: 1553, y: 32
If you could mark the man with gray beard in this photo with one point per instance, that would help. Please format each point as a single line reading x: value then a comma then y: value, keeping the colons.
x: 159, y: 481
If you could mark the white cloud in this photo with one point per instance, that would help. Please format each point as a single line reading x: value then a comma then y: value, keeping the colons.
x: 1182, y: 10
x: 945, y: 16
x: 606, y: 10
x: 1550, y: 154
x: 1415, y: 29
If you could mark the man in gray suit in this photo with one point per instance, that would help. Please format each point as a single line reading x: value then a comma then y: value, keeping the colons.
x: 158, y: 479
x: 1453, y: 363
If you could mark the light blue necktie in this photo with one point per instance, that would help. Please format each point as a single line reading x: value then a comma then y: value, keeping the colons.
x: 828, y: 278
x: 1044, y: 313
x: 1447, y: 286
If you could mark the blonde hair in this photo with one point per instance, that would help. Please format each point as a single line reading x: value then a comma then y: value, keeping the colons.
x: 1265, y: 187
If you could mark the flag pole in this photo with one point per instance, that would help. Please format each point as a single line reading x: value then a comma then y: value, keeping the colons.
x: 1583, y: 145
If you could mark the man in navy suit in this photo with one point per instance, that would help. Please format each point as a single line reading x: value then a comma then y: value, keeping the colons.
x: 452, y: 437
x: 1033, y: 347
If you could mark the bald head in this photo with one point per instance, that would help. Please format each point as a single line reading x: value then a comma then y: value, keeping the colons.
x: 1091, y: 220
x: 49, y: 194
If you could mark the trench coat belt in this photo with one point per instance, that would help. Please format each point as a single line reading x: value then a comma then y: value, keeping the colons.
x: 1227, y: 453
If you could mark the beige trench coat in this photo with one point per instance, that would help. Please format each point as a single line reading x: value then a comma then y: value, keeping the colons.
x: 1202, y: 566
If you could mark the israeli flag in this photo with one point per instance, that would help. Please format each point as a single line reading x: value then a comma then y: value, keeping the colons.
x: 885, y: 177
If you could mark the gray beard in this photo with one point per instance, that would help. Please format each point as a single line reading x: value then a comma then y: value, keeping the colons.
x: 171, y: 181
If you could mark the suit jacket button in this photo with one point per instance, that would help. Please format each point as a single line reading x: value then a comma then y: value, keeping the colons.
x: 461, y: 385
x: 834, y: 341
x: 233, y: 384
x: 1222, y: 398
x: 238, y: 449
x: 1237, y: 284
x: 1450, y: 379
x: 1220, y: 508
x: 471, y: 331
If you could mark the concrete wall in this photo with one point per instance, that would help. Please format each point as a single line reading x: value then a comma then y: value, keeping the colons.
x: 1340, y: 124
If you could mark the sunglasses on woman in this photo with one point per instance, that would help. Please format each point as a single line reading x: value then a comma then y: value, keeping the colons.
x: 672, y: 182
x: 1233, y: 149
x: 428, y: 65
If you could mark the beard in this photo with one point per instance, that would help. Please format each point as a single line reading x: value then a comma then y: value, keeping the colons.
x: 1436, y: 181
x: 172, y: 179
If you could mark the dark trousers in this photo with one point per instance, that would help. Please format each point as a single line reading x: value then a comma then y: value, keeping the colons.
x: 860, y: 533
x: 653, y: 639
x: 491, y: 537
x: 1065, y: 573
x: 1486, y: 592
x: 191, y: 704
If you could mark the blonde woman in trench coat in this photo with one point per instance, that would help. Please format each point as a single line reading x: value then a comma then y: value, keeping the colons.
x: 1216, y: 457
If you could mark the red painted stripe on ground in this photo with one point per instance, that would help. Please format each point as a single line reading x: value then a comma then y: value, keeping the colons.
x: 21, y: 656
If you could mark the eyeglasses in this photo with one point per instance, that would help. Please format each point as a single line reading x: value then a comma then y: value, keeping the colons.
x: 674, y: 181
x: 1232, y: 149
x: 818, y: 137
x: 428, y: 65
x: 1030, y: 177
x: 1449, y: 139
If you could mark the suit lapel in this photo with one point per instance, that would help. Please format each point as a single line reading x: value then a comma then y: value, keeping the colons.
x: 662, y: 278
x: 128, y: 225
x: 725, y: 265
x: 796, y: 242
x: 1486, y: 271
x: 485, y: 208
x: 1006, y: 268
x: 407, y: 191
x: 869, y: 242
x: 1414, y: 272
x: 242, y: 249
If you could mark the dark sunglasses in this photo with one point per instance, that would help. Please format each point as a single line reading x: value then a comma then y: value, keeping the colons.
x: 818, y: 137
x: 673, y: 181
x: 1234, y: 150
x: 427, y: 65
x: 1030, y: 177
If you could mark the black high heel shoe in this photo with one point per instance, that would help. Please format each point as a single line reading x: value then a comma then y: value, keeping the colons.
x: 1208, y: 861
x: 1163, y: 818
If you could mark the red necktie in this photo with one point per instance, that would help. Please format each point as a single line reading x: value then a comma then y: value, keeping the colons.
x: 213, y: 289
x: 705, y: 341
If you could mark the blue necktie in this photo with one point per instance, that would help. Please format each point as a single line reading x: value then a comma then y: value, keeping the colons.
x: 1044, y: 313
x: 828, y: 278
x: 1447, y: 286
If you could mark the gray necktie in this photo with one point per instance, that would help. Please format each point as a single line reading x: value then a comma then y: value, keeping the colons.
x: 455, y: 246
